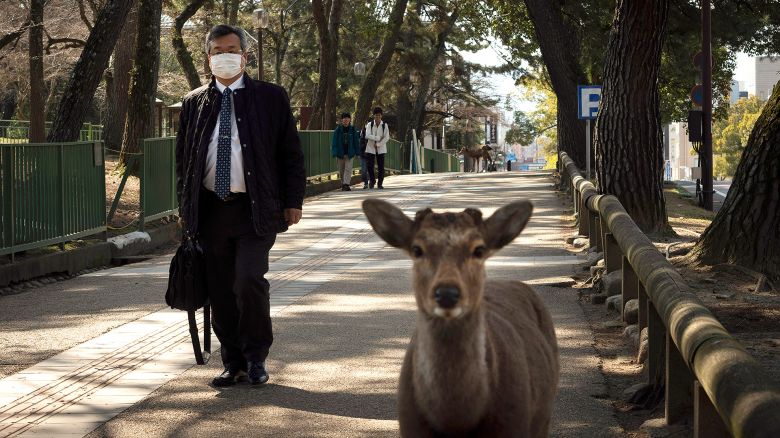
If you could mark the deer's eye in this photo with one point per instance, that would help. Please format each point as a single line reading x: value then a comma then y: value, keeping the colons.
x: 479, y: 252
x: 417, y: 252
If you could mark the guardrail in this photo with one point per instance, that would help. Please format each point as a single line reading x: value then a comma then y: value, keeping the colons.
x: 320, y: 164
x: 18, y: 131
x: 51, y: 193
x: 706, y: 373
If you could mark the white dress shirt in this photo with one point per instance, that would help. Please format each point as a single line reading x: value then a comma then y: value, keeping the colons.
x: 237, y: 183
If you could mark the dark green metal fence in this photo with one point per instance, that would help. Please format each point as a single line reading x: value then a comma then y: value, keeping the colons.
x: 50, y: 193
x: 434, y: 161
x: 18, y: 131
x: 158, y: 179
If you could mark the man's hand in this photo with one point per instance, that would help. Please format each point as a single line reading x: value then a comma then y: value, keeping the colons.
x: 292, y: 216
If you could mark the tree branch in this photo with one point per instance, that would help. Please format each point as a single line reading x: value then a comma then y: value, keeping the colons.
x: 14, y: 36
x: 83, y: 14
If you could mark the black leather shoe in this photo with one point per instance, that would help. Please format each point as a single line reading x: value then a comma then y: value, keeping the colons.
x: 229, y: 378
x: 256, y: 373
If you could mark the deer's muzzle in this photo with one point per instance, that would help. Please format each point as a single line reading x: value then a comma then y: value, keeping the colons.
x: 447, y: 297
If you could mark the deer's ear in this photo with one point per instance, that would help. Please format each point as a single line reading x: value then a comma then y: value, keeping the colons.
x: 506, y: 223
x: 390, y: 223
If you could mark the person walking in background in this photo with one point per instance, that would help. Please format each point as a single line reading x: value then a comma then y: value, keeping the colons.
x: 240, y: 181
x: 377, y: 134
x: 344, y: 146
x: 363, y: 167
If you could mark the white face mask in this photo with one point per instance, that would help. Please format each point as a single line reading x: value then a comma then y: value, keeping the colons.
x: 226, y: 65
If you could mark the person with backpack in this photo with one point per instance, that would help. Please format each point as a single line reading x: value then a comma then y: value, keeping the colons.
x: 344, y: 146
x: 377, y: 135
x: 363, y: 167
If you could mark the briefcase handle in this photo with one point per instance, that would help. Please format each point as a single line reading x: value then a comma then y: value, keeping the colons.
x: 201, y: 357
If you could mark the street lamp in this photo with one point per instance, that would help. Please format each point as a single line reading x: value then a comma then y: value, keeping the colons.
x: 360, y: 69
x: 260, y: 19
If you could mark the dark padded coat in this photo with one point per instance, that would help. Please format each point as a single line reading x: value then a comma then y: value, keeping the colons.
x: 273, y: 160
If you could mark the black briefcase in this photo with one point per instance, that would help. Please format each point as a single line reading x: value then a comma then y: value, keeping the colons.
x: 187, y: 291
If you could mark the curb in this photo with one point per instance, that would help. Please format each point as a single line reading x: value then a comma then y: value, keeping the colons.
x: 69, y: 262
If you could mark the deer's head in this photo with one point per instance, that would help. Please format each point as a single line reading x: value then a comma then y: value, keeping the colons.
x: 448, y: 250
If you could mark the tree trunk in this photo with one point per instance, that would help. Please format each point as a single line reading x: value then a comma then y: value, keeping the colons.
x: 180, y: 47
x: 37, y: 133
x: 629, y: 151
x: 88, y: 71
x: 119, y: 78
x: 746, y: 229
x: 143, y: 85
x: 233, y: 14
x: 426, y: 77
x: 334, y: 22
x: 377, y: 70
x: 327, y: 29
x: 560, y: 49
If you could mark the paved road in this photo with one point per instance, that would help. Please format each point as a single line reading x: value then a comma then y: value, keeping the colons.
x: 100, y: 356
x: 721, y: 190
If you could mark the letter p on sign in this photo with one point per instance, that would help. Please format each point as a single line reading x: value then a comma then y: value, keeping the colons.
x: 588, y: 100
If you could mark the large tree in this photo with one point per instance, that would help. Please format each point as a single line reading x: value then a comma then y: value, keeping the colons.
x: 88, y: 71
x: 327, y: 16
x: 143, y: 85
x: 378, y: 67
x: 37, y: 132
x: 118, y: 83
x: 183, y: 55
x: 629, y: 151
x: 746, y: 230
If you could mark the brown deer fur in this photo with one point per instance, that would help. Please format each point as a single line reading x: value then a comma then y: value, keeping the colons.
x: 482, y: 153
x: 489, y: 366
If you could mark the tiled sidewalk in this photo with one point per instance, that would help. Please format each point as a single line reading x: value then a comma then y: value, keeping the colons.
x: 77, y: 390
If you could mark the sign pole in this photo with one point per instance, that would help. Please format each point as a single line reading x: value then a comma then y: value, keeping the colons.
x: 587, y: 149
x: 706, y: 79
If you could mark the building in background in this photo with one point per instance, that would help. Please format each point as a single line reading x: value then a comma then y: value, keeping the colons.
x: 682, y: 157
x: 734, y: 92
x: 767, y: 75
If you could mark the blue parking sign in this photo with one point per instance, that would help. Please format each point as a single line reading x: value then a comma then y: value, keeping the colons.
x: 588, y: 98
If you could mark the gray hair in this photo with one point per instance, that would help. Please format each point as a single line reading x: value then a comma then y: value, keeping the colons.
x: 221, y: 30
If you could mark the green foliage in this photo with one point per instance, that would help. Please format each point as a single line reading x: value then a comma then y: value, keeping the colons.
x: 751, y: 26
x: 541, y: 121
x: 730, y: 135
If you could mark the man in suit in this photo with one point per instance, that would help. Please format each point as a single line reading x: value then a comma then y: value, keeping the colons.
x: 240, y: 180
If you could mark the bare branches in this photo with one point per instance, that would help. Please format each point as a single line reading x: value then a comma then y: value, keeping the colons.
x: 13, y: 37
x: 83, y: 14
x: 68, y: 43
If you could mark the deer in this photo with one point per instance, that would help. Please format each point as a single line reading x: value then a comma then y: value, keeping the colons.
x: 483, y: 358
x: 482, y: 154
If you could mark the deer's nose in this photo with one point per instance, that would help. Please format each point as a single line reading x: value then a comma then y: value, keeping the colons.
x: 447, y: 296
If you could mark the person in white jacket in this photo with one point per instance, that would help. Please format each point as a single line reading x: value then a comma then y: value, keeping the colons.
x: 377, y: 134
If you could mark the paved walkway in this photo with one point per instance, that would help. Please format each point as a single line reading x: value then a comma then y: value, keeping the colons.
x: 99, y: 355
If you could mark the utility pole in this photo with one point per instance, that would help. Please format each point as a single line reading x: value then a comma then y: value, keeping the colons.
x: 705, y: 155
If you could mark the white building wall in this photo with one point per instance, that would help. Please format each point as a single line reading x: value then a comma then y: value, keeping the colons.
x: 681, y: 155
x: 767, y: 75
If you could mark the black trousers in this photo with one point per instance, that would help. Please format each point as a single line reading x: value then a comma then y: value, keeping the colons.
x: 237, y: 261
x: 380, y: 164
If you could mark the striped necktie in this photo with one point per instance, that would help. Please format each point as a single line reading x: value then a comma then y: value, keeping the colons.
x: 222, y: 175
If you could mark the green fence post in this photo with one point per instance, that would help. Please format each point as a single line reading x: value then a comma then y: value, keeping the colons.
x: 61, y: 166
x: 142, y: 213
x: 8, y: 201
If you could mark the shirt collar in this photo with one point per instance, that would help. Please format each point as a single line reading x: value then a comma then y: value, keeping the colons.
x: 238, y: 83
